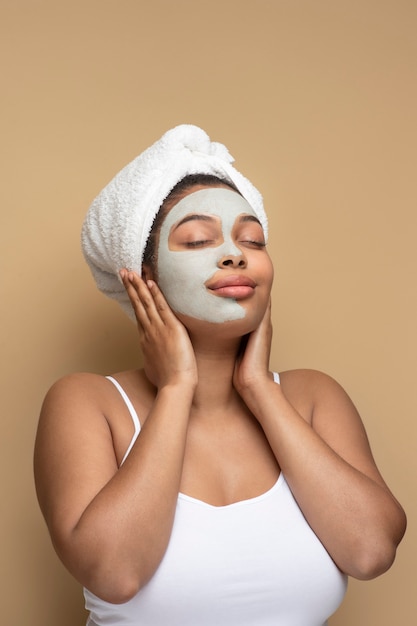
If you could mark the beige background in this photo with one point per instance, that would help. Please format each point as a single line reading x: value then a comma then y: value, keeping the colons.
x: 317, y: 101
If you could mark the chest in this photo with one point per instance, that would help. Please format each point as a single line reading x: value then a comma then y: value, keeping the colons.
x: 228, y: 462
x: 252, y: 562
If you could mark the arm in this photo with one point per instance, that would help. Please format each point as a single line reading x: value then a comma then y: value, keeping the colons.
x: 323, y: 451
x: 111, y: 526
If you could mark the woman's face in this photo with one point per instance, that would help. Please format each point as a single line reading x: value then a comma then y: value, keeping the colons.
x: 212, y: 261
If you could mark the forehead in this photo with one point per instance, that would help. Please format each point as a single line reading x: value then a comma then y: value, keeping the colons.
x: 219, y: 201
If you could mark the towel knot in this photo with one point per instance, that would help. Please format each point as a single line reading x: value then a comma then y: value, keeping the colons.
x: 197, y: 141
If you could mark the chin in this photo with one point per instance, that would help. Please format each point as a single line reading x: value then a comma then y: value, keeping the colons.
x: 231, y: 329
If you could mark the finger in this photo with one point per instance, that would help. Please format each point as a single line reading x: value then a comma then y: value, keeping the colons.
x: 138, y: 294
x: 151, y: 298
x: 268, y: 311
x: 151, y: 304
x: 266, y: 322
x: 164, y: 310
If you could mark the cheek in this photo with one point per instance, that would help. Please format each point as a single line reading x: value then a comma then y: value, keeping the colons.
x: 270, y: 273
x: 187, y: 267
x: 267, y: 269
x: 182, y: 277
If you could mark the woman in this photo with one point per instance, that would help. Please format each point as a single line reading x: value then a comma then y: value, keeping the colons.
x: 204, y: 489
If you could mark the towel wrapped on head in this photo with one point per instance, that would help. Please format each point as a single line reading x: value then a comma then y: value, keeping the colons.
x: 118, y: 222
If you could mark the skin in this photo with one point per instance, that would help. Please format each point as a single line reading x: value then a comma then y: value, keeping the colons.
x: 110, y: 525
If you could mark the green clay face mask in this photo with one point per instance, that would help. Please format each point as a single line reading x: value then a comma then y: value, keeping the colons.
x: 183, y: 274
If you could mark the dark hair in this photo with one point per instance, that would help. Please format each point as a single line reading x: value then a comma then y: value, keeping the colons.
x: 176, y: 193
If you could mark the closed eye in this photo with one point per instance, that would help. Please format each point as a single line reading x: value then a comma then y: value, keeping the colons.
x: 251, y: 242
x: 199, y: 243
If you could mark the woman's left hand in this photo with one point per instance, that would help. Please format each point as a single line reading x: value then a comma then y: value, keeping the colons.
x: 252, y: 364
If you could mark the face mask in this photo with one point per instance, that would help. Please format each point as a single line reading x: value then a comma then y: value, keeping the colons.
x: 182, y: 274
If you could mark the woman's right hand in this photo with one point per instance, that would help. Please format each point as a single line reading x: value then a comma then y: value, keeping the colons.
x: 168, y: 353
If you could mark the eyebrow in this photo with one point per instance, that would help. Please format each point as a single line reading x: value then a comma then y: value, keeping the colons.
x: 194, y: 217
x: 250, y: 218
x: 208, y: 218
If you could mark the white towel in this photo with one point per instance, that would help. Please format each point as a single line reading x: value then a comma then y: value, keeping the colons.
x: 118, y: 222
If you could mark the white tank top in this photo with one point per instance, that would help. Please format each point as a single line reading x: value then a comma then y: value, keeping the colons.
x: 251, y: 563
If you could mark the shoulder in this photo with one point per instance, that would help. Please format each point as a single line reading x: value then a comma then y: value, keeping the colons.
x: 76, y: 380
x: 314, y: 394
x: 76, y: 421
x: 81, y: 386
x: 84, y: 396
x: 312, y: 382
x: 90, y: 386
x: 74, y: 403
x: 80, y: 394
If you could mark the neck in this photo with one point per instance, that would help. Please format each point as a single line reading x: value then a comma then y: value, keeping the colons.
x: 215, y: 363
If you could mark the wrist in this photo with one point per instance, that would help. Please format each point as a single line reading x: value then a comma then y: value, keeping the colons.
x: 179, y: 388
x: 259, y: 382
x: 258, y: 388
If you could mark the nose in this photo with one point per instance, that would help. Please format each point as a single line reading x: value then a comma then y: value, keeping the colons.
x: 236, y: 260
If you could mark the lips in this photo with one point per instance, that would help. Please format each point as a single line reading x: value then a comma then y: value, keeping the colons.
x: 234, y: 286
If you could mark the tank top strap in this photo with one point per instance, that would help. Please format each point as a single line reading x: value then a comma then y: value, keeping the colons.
x: 132, y: 412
